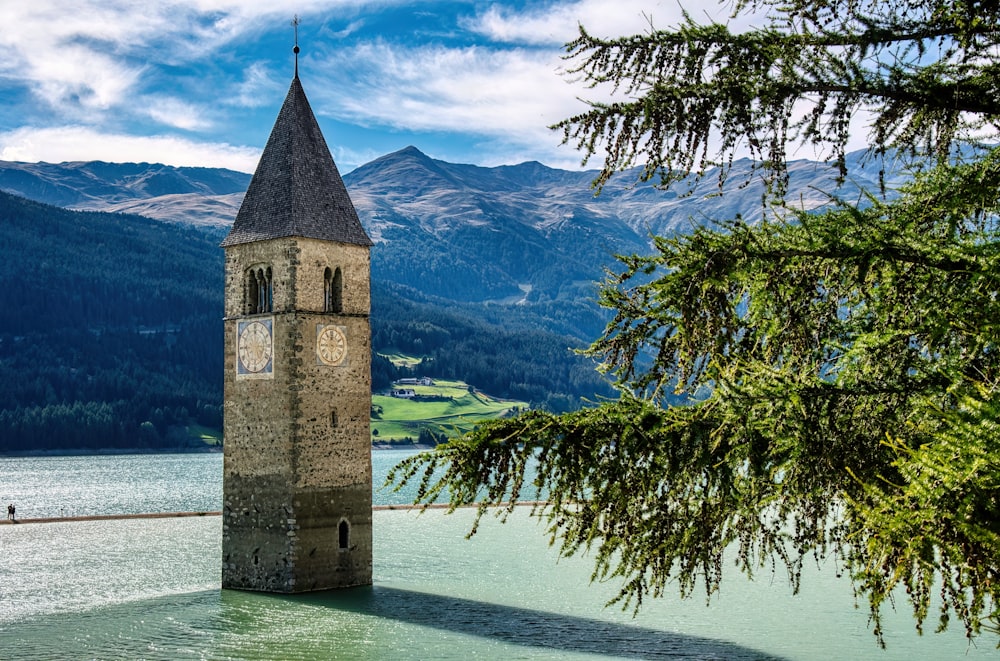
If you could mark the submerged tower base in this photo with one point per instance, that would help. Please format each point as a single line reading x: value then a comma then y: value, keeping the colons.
x: 274, y: 541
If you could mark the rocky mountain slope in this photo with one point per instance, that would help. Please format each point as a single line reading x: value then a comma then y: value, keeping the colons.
x: 522, y: 234
x: 100, y: 186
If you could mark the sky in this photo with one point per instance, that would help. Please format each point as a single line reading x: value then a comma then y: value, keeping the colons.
x: 200, y: 82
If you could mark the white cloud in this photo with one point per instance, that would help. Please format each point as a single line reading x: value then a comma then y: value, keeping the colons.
x: 508, y: 91
x: 348, y: 159
x: 351, y: 28
x: 175, y: 113
x: 256, y: 89
x: 556, y: 24
x: 77, y: 143
x: 92, y: 54
x: 77, y: 77
x: 77, y: 61
x: 513, y: 94
x: 108, y: 63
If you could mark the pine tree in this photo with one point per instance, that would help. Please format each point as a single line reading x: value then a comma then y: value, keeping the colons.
x: 840, y: 369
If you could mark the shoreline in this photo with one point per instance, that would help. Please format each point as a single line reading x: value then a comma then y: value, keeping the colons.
x: 110, y: 452
x: 175, y: 515
x: 108, y: 517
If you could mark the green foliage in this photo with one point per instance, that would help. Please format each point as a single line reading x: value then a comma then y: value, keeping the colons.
x: 104, y: 341
x: 939, y: 528
x: 840, y: 369
x: 812, y: 344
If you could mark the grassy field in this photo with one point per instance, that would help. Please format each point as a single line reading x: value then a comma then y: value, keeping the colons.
x: 457, y: 411
x: 402, y: 360
x: 208, y: 435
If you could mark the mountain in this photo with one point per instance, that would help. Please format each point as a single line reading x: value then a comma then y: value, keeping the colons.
x: 109, y: 329
x: 530, y: 234
x: 109, y: 322
x: 471, y: 234
x: 191, y: 195
x: 522, y: 234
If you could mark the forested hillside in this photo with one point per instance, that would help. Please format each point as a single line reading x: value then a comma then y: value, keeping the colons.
x: 111, y: 334
x: 504, y: 353
x: 107, y: 322
x: 515, y: 242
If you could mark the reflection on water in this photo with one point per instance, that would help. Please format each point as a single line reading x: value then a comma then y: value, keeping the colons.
x: 150, y: 589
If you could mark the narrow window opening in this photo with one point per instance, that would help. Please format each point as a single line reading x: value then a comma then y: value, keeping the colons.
x: 253, y: 293
x: 269, y: 299
x: 337, y: 287
x: 344, y: 535
x: 327, y: 290
x: 261, y: 291
x: 333, y: 418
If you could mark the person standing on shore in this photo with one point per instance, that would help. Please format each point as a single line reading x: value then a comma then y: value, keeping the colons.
x: 10, y: 512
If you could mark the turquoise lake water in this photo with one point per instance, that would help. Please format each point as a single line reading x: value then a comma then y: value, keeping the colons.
x: 149, y: 589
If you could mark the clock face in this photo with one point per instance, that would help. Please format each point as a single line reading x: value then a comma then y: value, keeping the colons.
x: 254, y: 348
x: 331, y: 345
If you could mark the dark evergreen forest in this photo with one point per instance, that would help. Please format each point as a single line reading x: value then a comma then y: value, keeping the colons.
x: 111, y: 335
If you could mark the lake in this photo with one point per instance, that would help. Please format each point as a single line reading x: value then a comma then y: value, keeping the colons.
x: 149, y: 588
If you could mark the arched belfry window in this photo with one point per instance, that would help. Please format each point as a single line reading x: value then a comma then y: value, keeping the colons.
x: 333, y: 291
x: 260, y: 290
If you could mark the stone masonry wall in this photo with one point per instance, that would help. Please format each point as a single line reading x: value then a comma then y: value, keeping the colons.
x: 297, y: 469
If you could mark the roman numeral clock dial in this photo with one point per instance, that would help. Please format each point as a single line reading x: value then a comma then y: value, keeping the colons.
x: 331, y: 345
x: 255, y: 348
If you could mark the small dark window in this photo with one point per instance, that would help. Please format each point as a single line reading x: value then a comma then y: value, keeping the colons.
x: 327, y: 290
x: 269, y: 292
x: 344, y: 534
x: 333, y: 291
x: 333, y: 418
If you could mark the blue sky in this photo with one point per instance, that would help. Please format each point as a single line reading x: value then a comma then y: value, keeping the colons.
x: 199, y: 82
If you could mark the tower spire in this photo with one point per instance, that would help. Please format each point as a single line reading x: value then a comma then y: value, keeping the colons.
x: 295, y: 25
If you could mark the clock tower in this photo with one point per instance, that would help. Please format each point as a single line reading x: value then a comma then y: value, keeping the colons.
x: 297, y: 478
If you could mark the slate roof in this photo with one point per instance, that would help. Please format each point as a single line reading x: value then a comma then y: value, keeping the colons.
x: 297, y: 190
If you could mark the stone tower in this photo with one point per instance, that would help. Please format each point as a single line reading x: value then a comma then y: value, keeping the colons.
x: 297, y: 478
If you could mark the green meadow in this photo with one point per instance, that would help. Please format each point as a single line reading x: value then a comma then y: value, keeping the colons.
x: 450, y: 408
x: 207, y: 435
x: 402, y: 360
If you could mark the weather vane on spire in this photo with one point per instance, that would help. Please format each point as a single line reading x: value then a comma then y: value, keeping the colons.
x: 295, y: 24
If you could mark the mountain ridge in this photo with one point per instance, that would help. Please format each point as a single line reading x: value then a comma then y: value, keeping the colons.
x: 524, y: 233
x: 96, y: 185
x: 102, y: 186
x: 111, y: 320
